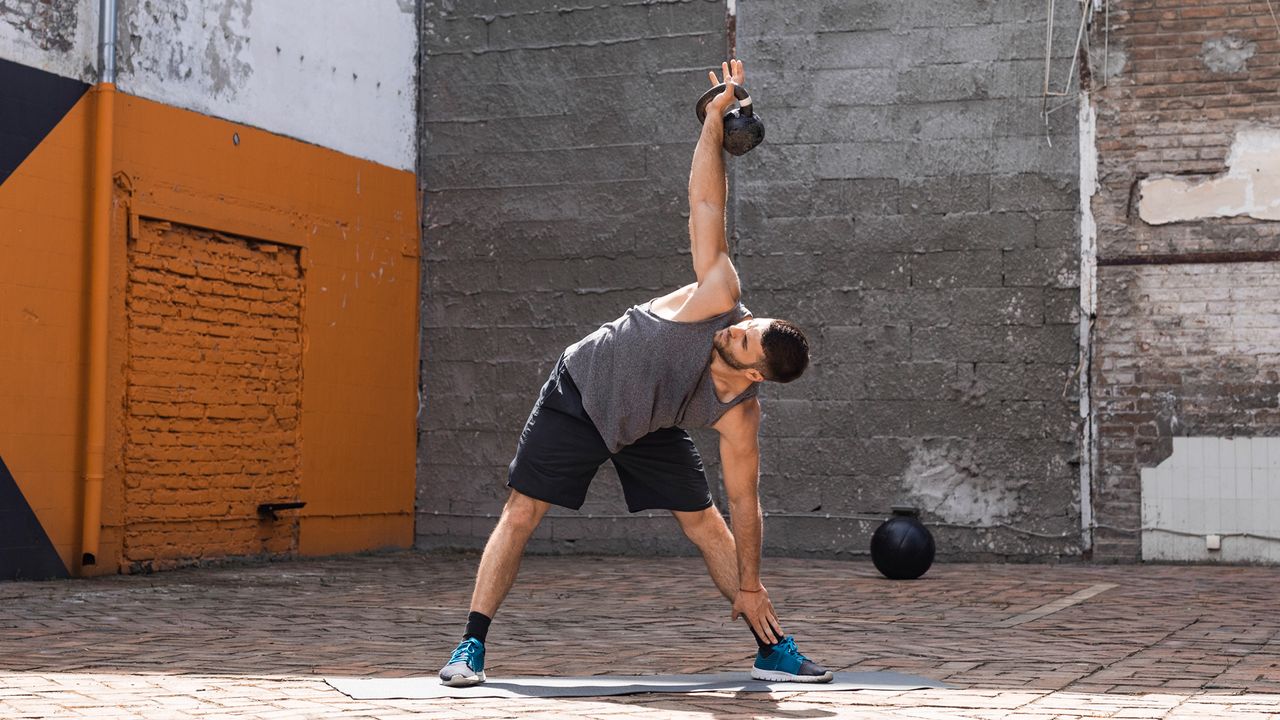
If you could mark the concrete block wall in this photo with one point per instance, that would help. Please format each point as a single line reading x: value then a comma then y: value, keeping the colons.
x: 914, y: 211
x: 555, y: 150
x: 1186, y: 104
x: 910, y: 207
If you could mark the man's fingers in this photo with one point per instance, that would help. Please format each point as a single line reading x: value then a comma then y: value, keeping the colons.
x: 763, y: 631
x: 760, y: 627
x: 730, y: 73
x: 776, y: 626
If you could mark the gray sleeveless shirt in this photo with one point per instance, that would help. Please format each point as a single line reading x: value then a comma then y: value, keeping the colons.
x: 642, y: 372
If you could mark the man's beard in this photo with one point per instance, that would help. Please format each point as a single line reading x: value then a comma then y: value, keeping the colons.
x: 731, y: 361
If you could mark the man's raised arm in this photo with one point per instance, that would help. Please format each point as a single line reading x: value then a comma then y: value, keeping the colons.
x: 707, y: 193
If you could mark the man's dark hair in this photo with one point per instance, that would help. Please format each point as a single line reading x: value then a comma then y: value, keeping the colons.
x: 786, y: 352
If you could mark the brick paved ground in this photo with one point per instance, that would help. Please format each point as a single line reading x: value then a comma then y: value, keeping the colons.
x: 255, y: 640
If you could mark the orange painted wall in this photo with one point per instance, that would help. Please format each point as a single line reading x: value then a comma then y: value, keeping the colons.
x: 355, y: 222
x: 43, y: 221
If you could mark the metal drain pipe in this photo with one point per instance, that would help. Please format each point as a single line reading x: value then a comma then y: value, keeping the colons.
x: 99, y: 262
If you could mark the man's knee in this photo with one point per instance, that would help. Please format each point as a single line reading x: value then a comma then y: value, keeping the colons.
x: 703, y: 525
x: 523, y: 513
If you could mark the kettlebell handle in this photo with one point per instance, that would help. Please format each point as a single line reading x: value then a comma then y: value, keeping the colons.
x: 739, y: 92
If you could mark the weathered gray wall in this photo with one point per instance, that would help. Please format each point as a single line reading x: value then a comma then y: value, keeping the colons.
x: 910, y: 208
x: 555, y: 150
x: 913, y: 209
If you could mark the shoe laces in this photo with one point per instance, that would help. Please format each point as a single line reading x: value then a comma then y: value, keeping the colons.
x: 465, y: 651
x: 788, y: 646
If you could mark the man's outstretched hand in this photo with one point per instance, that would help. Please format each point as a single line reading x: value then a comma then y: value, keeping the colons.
x: 732, y: 74
x: 757, y: 608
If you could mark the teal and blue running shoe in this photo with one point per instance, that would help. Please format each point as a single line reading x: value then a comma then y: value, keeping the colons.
x: 784, y: 663
x: 465, y: 666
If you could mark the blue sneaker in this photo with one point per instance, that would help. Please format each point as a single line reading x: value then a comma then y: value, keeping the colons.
x: 465, y: 666
x: 784, y: 663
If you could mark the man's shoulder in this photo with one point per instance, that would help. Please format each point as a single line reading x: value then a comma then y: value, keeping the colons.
x: 741, y: 418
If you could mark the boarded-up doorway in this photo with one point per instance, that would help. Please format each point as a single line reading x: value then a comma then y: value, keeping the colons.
x: 213, y: 393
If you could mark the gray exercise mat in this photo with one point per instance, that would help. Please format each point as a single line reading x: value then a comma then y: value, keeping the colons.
x: 424, y: 688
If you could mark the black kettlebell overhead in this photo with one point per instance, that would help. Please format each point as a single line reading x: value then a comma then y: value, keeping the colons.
x: 743, y: 129
x: 902, y: 547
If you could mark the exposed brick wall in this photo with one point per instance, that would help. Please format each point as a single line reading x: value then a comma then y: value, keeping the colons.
x: 213, y: 395
x: 1168, y: 111
x: 1187, y: 350
x: 1183, y: 78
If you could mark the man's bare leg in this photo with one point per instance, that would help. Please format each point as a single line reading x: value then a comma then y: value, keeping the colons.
x: 494, y: 578
x: 503, y: 551
x: 708, y: 531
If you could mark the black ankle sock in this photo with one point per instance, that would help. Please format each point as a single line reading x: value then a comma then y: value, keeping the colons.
x: 477, y: 626
x: 759, y: 640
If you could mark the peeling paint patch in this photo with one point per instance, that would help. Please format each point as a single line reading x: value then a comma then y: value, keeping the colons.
x: 1227, y: 54
x: 190, y: 42
x: 1250, y: 186
x: 51, y: 24
x: 946, y: 481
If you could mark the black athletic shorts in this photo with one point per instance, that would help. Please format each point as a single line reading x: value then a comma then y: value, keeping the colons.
x: 560, y: 451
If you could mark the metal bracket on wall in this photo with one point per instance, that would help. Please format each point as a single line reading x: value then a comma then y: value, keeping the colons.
x: 267, y: 511
x: 1191, y: 258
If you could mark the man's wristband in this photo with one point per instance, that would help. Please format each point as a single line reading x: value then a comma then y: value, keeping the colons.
x: 751, y: 591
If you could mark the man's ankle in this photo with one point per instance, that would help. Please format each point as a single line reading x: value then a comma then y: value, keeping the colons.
x: 477, y: 626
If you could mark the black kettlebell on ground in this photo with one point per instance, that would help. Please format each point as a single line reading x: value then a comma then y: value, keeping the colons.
x: 902, y: 547
x: 743, y: 129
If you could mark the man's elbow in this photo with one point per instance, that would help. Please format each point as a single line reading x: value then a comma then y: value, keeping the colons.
x: 745, y: 503
x: 708, y: 204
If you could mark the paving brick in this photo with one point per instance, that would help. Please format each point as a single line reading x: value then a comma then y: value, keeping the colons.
x: 254, y: 640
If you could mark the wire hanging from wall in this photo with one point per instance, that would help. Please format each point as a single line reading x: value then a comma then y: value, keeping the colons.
x: 1106, y: 41
x: 1081, y: 40
x: 1087, y: 9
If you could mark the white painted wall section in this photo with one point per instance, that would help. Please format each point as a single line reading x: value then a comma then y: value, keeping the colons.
x: 1221, y: 486
x: 1088, y: 120
x: 1249, y: 187
x: 337, y: 74
x: 57, y: 36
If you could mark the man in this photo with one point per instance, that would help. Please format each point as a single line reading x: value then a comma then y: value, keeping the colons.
x: 691, y: 358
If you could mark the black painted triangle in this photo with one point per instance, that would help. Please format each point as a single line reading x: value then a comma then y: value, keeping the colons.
x: 25, y: 550
x: 32, y: 102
